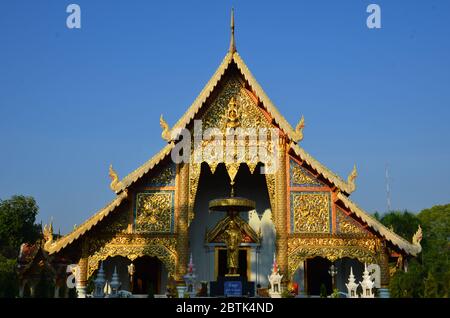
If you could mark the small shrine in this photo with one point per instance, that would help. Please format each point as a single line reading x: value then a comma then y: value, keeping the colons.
x: 367, y: 284
x: 275, y: 281
x: 351, y: 285
x: 190, y: 279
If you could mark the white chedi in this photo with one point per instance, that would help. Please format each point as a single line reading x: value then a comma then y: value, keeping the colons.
x: 275, y: 281
x: 115, y: 284
x: 367, y: 284
x: 99, y: 282
x: 351, y: 285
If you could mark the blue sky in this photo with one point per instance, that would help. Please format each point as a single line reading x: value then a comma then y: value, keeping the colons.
x: 74, y: 101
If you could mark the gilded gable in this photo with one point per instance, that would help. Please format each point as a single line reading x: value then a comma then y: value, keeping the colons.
x: 220, y: 113
x: 310, y: 212
x: 162, y: 177
x: 300, y: 177
x: 347, y: 225
x: 154, y: 212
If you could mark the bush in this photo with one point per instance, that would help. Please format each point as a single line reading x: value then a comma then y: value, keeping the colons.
x: 8, y: 278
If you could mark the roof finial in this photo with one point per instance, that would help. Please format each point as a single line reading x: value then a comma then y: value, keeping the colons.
x: 232, y: 42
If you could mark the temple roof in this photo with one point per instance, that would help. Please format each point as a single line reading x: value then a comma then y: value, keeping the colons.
x: 87, y: 225
x: 343, y: 188
x: 391, y: 236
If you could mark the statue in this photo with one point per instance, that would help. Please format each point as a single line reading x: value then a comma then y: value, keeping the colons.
x: 275, y: 280
x: 232, y: 114
x: 233, y: 238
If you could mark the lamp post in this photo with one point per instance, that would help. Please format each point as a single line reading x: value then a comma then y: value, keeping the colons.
x: 333, y: 272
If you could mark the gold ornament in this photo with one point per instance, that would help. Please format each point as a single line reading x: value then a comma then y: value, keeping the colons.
x: 311, y: 212
x: 298, y: 135
x: 115, y: 183
x: 154, y: 211
x: 165, y: 127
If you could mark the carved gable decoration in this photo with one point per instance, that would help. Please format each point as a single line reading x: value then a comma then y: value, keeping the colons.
x: 310, y: 212
x: 117, y: 222
x: 216, y: 235
x: 162, y: 177
x: 300, y: 177
x: 154, y: 212
x: 234, y: 107
x: 347, y: 225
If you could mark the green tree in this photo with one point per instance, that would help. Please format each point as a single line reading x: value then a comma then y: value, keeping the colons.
x: 403, y: 223
x: 430, y: 287
x: 428, y: 275
x: 408, y: 284
x: 436, y: 245
x: 17, y: 224
x: 8, y: 278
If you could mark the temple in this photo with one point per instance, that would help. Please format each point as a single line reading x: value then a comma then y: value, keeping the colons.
x: 285, y: 217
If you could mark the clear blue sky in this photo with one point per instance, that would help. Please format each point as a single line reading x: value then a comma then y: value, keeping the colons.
x: 74, y: 101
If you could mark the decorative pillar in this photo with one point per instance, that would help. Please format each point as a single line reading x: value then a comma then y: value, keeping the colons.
x: 81, y: 280
x: 81, y: 275
x: 281, y: 211
x: 182, y: 221
x: 384, y: 274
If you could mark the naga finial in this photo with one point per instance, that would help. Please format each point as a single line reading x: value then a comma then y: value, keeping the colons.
x: 166, y: 131
x: 299, y: 130
x: 351, y: 179
x: 417, y: 237
x: 47, y: 232
x: 115, y: 183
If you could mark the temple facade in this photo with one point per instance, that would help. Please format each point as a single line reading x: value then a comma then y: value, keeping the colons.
x: 303, y: 219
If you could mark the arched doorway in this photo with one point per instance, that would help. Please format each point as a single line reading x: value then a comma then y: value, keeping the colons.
x: 147, y: 275
x: 316, y: 270
x: 118, y: 263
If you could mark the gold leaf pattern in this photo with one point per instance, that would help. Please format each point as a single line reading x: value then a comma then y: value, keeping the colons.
x: 311, y: 212
x: 346, y: 225
x: 154, y: 211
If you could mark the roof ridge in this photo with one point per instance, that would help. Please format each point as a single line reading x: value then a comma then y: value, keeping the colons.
x: 87, y: 225
x: 391, y: 236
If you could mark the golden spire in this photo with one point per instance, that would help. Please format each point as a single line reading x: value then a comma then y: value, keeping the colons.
x: 232, y: 42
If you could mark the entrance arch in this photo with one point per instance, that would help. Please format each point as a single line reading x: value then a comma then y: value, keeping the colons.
x: 148, y: 276
x: 316, y: 272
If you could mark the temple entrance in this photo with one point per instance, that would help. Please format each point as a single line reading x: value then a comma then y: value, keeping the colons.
x: 147, y: 276
x: 317, y: 275
x: 222, y: 262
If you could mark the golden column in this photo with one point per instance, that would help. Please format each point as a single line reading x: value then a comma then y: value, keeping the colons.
x: 384, y: 268
x: 281, y: 211
x: 182, y: 221
x: 81, y: 280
